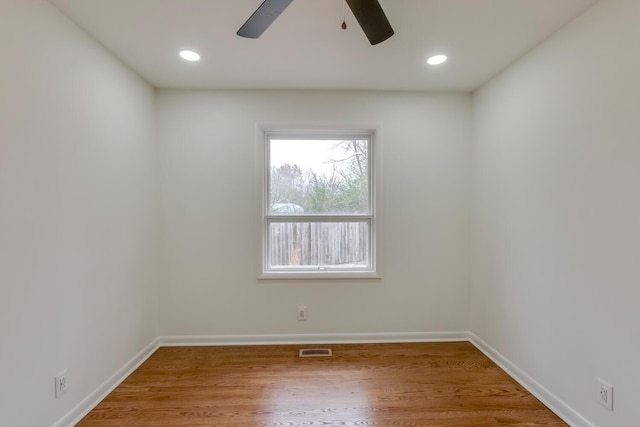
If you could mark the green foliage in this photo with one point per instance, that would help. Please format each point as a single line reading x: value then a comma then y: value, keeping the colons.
x: 344, y: 191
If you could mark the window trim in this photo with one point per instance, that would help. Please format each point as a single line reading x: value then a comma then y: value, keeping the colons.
x: 370, y: 272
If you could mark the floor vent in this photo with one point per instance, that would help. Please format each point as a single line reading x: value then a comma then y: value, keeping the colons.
x: 315, y: 352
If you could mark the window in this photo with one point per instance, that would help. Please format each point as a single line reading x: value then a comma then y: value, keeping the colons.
x: 318, y: 212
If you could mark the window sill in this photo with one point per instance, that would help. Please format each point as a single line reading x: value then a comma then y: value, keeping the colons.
x: 314, y: 275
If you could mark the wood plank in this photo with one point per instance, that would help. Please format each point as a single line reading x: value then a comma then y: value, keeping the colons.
x: 417, y: 384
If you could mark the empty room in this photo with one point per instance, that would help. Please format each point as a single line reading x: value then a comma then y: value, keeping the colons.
x: 319, y: 213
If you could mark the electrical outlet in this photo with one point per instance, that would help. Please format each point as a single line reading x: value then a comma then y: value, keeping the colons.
x: 605, y: 394
x: 303, y: 314
x: 61, y: 383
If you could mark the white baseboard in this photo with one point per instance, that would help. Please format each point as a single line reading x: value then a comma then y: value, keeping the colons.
x: 91, y: 401
x: 553, y: 402
x: 217, y: 340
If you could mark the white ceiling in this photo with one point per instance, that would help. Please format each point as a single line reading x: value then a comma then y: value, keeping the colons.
x: 306, y: 49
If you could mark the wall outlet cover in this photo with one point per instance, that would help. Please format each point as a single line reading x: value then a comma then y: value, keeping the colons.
x: 604, y: 394
x: 61, y: 383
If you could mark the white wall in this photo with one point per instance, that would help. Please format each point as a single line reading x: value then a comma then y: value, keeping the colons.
x: 556, y: 212
x: 77, y: 203
x: 211, y: 208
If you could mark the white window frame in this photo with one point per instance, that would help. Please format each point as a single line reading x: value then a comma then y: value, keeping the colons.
x: 368, y: 272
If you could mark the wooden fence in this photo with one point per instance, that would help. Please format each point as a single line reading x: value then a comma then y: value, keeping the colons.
x: 319, y: 244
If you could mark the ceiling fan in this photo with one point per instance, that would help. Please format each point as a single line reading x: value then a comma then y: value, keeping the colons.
x: 368, y: 13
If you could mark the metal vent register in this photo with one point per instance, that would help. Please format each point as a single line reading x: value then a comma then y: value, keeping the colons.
x: 315, y: 352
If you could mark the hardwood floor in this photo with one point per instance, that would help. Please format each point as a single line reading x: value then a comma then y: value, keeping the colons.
x: 422, y: 384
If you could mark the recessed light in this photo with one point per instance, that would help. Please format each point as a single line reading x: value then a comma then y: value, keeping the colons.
x: 437, y: 59
x: 189, y: 55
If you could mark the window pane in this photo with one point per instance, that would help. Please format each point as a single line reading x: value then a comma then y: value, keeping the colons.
x: 319, y: 177
x: 331, y: 245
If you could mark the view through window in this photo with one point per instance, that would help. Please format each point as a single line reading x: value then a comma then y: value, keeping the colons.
x: 319, y: 213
